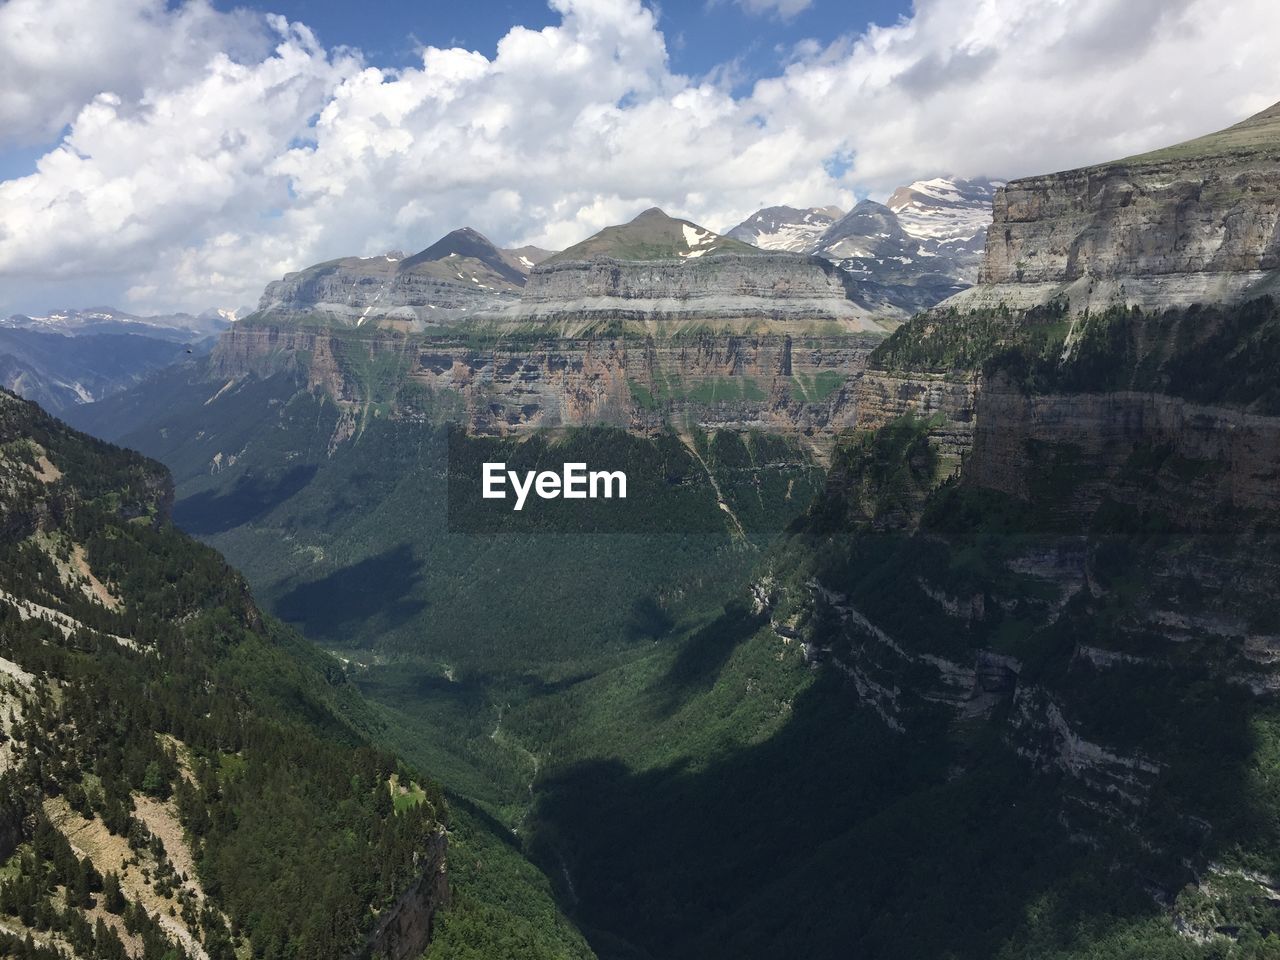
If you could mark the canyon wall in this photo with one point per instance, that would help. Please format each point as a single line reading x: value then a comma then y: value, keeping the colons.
x: 1197, y: 222
x: 806, y: 386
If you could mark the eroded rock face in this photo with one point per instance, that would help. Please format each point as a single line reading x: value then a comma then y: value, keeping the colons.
x: 451, y: 280
x: 1148, y: 450
x: 804, y: 385
x: 404, y: 928
x: 350, y: 292
x: 737, y: 288
x: 1198, y: 222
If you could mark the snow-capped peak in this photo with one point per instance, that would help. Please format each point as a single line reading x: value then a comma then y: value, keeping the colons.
x: 945, y: 208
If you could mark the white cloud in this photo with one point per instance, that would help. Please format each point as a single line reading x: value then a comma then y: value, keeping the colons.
x: 781, y: 8
x: 56, y: 56
x: 195, y: 180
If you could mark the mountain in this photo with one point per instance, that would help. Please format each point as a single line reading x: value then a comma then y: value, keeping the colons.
x: 1053, y: 545
x: 656, y: 269
x: 884, y: 261
x: 971, y: 623
x: 528, y: 257
x: 1192, y: 222
x: 149, y: 708
x: 177, y: 327
x: 59, y: 371
x: 177, y: 768
x: 949, y: 215
x: 72, y: 357
x: 467, y: 252
x: 786, y: 228
x: 459, y: 274
x: 653, y: 235
x: 774, y: 331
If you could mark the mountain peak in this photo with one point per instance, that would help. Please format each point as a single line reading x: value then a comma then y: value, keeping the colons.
x: 786, y: 228
x: 653, y: 235
x: 945, y: 208
x: 467, y: 243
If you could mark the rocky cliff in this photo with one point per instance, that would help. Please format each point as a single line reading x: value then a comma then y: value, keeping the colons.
x: 805, y: 386
x: 404, y: 928
x: 1197, y: 222
x: 729, y: 290
x: 1063, y: 530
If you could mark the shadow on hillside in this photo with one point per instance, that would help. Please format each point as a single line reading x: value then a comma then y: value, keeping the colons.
x: 250, y: 497
x: 701, y: 658
x: 837, y: 838
x: 378, y: 589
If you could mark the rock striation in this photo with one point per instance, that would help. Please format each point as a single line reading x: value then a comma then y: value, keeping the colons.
x: 806, y: 386
x: 1196, y: 222
x: 459, y: 275
x: 732, y: 290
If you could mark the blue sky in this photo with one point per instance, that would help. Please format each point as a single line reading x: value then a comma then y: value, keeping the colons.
x: 701, y: 35
x: 179, y: 154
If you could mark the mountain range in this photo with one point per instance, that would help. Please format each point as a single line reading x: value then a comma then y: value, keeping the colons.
x: 922, y: 633
x: 70, y: 357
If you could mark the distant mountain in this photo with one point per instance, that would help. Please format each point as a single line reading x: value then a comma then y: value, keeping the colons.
x: 653, y: 235
x: 528, y: 257
x: 59, y: 371
x: 177, y: 327
x: 869, y: 231
x: 870, y: 244
x: 70, y: 356
x: 458, y: 274
x: 466, y: 251
x: 939, y: 224
x: 946, y: 210
x: 786, y: 228
x: 922, y: 246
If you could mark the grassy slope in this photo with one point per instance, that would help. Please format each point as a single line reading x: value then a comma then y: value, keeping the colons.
x: 651, y: 236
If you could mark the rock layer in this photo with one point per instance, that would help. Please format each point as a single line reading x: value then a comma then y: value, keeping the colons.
x: 721, y: 288
x: 1197, y: 222
x: 807, y: 386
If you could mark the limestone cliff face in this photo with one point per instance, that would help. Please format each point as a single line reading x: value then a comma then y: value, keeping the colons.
x: 1207, y: 465
x: 654, y: 270
x: 775, y: 286
x: 947, y: 402
x: 1103, y: 522
x: 451, y: 280
x: 1198, y: 222
x: 808, y: 386
x: 351, y: 293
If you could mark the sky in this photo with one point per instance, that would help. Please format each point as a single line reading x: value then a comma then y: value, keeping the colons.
x: 163, y: 155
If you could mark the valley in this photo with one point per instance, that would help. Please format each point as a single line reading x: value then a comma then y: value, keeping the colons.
x: 975, y: 598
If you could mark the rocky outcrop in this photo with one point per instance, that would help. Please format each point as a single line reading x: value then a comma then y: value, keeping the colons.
x: 1197, y: 222
x: 946, y: 402
x: 404, y: 928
